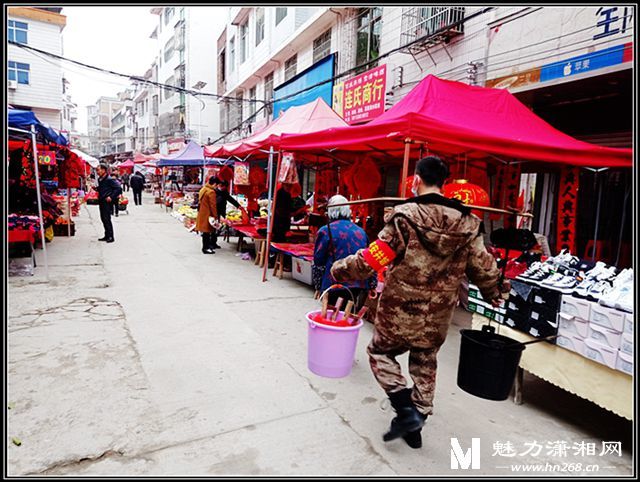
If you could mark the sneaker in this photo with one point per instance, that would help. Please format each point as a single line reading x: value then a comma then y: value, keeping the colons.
x: 530, y: 272
x: 567, y: 284
x: 622, y: 284
x: 599, y: 289
x: 551, y: 280
x: 582, y: 289
x: 625, y: 301
x: 545, y: 271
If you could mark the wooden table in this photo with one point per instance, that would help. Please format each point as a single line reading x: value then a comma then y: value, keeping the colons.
x: 608, y: 388
x: 296, y: 250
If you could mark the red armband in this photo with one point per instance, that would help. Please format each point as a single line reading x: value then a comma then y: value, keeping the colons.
x: 378, y: 255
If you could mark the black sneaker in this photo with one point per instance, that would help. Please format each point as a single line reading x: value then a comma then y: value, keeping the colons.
x: 109, y: 240
x: 103, y: 239
x: 208, y: 251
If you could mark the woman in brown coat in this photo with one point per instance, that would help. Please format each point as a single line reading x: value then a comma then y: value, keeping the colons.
x: 207, y: 208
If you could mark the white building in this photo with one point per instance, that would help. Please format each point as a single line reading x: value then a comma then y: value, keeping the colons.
x: 99, y: 125
x: 146, y: 108
x: 261, y: 48
x: 69, y: 113
x: 35, y: 82
x: 122, y: 123
x: 186, y: 59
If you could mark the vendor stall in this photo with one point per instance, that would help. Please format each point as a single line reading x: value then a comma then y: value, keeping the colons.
x: 310, y: 117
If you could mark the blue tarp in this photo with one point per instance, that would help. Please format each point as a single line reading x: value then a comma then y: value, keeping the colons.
x: 192, y: 155
x: 24, y: 119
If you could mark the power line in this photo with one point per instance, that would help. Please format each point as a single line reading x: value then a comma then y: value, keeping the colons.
x: 135, y: 78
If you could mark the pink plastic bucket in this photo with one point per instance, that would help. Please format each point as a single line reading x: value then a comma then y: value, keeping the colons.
x: 331, y: 349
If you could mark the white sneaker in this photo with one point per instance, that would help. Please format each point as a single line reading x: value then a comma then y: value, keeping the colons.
x: 599, y: 289
x: 566, y: 285
x: 596, y: 270
x: 582, y: 289
x: 625, y: 300
x: 530, y: 271
x: 551, y: 280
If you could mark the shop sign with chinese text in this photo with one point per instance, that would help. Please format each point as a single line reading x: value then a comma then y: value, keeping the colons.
x: 364, y: 96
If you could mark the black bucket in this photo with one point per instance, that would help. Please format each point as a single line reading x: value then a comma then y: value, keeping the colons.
x: 488, y: 363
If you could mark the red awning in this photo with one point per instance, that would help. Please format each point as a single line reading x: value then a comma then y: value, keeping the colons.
x: 312, y: 117
x: 456, y: 118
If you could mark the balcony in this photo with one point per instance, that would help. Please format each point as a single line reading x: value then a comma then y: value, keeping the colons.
x: 432, y: 25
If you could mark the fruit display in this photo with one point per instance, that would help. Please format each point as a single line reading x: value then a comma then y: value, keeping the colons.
x: 187, y: 212
x: 235, y: 216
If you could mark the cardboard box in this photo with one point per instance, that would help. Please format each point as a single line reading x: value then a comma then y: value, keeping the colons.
x: 605, y: 336
x: 571, y: 326
x: 571, y: 343
x: 607, y: 317
x: 625, y: 363
x: 626, y: 344
x: 576, y: 307
x: 301, y: 270
x: 628, y: 323
x: 600, y: 353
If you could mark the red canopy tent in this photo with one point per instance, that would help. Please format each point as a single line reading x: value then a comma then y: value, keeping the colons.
x: 455, y: 118
x: 127, y: 165
x: 312, y: 117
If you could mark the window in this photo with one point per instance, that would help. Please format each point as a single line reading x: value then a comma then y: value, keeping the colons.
x: 322, y: 46
x: 232, y: 54
x: 19, y: 72
x: 252, y: 105
x: 369, y: 27
x: 168, y: 13
x: 168, y: 92
x: 155, y: 105
x: 222, y: 67
x: 146, y: 105
x: 268, y: 94
x: 141, y: 108
x: 281, y: 13
x: 18, y: 32
x: 244, y: 30
x: 168, y: 49
x: 259, y: 25
x: 291, y: 67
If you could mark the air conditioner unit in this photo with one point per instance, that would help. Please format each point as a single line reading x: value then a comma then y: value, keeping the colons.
x: 12, y: 84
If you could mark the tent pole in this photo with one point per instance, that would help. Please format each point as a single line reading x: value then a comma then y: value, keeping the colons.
x: 624, y: 215
x: 35, y: 160
x: 405, y: 167
x: 595, y: 234
x: 69, y: 211
x: 269, y: 188
x: 272, y: 213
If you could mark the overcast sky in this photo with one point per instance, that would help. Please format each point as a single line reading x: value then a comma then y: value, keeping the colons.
x: 114, y: 38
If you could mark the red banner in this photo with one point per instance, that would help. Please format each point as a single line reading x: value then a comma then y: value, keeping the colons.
x: 506, y: 190
x: 567, y: 209
x: 364, y: 95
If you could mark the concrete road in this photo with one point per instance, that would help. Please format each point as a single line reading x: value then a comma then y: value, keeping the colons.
x: 146, y: 356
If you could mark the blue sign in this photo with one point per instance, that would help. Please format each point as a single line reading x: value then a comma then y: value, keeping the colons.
x: 583, y: 63
x: 318, y: 72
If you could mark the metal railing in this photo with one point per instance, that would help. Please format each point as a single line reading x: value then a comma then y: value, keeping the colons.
x: 423, y: 22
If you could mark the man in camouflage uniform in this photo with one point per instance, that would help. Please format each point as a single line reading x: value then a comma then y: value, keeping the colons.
x: 429, y: 244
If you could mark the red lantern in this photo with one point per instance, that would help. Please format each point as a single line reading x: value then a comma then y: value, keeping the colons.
x: 467, y: 193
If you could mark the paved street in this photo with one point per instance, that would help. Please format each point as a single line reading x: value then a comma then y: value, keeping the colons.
x: 147, y: 357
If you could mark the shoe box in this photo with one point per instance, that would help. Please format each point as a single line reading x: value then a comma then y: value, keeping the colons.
x: 518, y: 306
x: 575, y: 307
x: 628, y: 323
x: 600, y: 353
x: 543, y: 322
x: 572, y: 326
x: 607, y: 317
x: 605, y: 336
x: 546, y: 298
x: 571, y: 342
x: 625, y: 363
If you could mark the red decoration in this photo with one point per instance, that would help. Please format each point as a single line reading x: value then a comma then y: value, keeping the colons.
x: 226, y: 174
x: 467, y: 193
x: 567, y: 208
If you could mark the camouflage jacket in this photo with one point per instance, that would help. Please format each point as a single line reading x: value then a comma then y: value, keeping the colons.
x: 435, y: 247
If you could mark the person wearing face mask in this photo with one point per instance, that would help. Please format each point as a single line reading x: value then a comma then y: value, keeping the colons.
x: 429, y: 244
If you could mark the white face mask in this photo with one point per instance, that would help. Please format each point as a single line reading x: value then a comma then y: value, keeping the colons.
x: 416, y: 184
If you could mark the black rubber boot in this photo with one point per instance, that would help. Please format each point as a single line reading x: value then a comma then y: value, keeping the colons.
x: 408, y: 419
x: 413, y: 439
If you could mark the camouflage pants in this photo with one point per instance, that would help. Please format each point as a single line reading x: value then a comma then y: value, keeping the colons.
x: 422, y: 368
